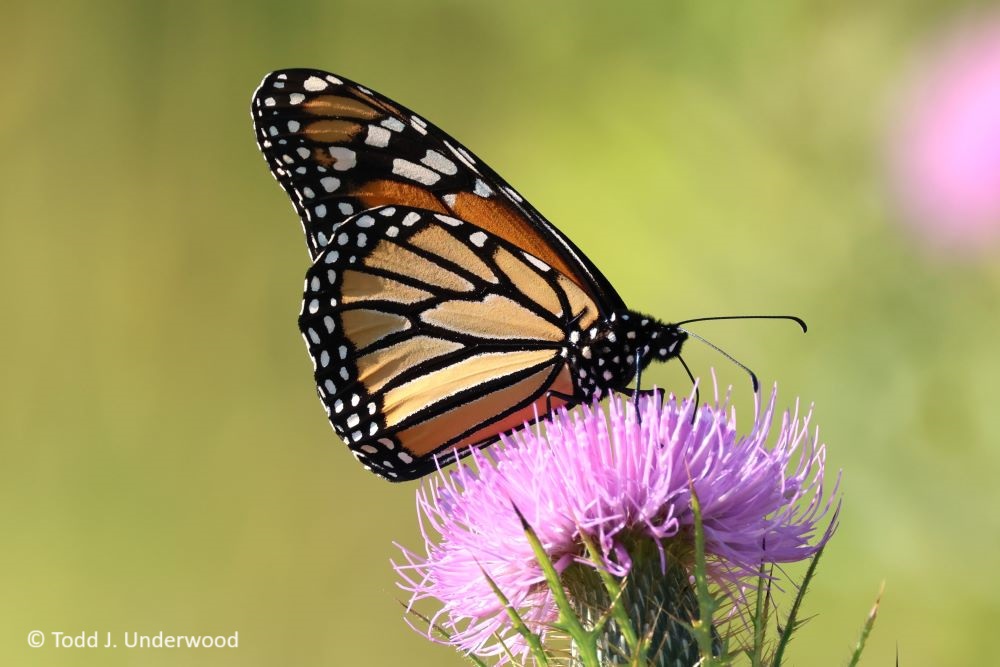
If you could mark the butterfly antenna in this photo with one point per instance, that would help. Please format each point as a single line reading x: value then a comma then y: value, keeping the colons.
x: 753, y: 376
x: 792, y: 318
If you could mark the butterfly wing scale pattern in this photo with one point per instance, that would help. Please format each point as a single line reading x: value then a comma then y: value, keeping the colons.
x: 439, y: 301
x: 338, y: 148
x: 423, y: 342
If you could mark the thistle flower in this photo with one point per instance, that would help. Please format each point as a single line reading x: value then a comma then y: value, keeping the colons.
x: 623, y: 481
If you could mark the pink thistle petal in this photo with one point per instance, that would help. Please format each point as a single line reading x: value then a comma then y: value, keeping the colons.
x: 614, y: 477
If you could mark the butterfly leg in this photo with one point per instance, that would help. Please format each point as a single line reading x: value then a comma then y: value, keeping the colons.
x: 697, y: 393
x: 638, y: 384
x: 567, y: 399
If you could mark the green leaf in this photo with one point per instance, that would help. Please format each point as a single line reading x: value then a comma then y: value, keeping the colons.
x: 534, y: 641
x: 792, y: 623
x: 867, y: 629
x: 584, y: 640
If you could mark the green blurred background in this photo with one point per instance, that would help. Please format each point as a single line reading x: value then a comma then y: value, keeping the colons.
x: 166, y: 464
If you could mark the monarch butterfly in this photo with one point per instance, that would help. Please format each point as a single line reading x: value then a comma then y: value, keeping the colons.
x: 441, y: 309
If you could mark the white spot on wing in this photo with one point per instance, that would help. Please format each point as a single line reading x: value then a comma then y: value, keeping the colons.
x: 482, y: 189
x: 393, y: 124
x: 343, y: 158
x: 448, y: 220
x: 414, y: 172
x: 478, y: 239
x: 296, y: 98
x: 329, y: 183
x: 436, y: 161
x: 314, y: 84
x: 377, y: 136
x: 542, y: 266
x: 463, y: 156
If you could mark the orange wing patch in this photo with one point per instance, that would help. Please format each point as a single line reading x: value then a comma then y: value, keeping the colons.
x: 364, y: 327
x: 494, y: 317
x: 526, y: 281
x: 436, y: 240
x: 500, y: 219
x: 385, y: 192
x: 362, y: 286
x: 337, y: 106
x: 424, y: 437
x: 331, y: 132
x: 391, y: 257
x: 377, y: 368
x: 562, y: 384
x: 404, y: 401
x: 579, y: 302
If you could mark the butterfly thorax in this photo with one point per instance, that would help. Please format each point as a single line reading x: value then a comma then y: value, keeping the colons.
x: 607, y: 355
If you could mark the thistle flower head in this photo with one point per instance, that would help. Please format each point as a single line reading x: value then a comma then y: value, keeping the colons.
x: 623, y: 479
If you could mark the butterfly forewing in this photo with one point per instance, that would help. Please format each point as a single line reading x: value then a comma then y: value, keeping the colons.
x: 339, y: 148
x: 430, y: 335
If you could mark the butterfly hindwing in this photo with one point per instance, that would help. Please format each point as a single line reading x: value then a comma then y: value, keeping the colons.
x: 338, y: 148
x: 430, y: 335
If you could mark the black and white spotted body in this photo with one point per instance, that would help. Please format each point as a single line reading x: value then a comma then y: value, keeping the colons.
x: 602, y: 357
